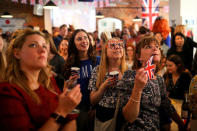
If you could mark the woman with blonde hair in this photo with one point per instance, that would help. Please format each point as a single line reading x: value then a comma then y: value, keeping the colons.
x: 103, y: 87
x: 2, y: 59
x: 29, y: 97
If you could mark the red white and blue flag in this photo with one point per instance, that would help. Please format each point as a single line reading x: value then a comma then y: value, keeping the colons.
x: 150, y: 68
x: 150, y: 11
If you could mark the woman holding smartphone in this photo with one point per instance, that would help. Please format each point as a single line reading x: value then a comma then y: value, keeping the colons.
x: 81, y: 54
x: 29, y: 96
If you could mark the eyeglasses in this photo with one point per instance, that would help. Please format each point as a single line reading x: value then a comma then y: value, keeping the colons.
x: 116, y: 46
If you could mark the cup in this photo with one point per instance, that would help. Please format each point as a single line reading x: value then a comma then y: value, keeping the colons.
x: 114, y: 74
x: 75, y: 71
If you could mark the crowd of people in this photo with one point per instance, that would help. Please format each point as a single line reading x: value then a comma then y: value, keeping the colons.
x: 38, y: 90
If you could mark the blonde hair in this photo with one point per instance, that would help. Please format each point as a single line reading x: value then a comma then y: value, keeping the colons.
x: 180, y: 28
x: 15, y: 75
x: 103, y: 67
x: 49, y: 40
x: 105, y: 36
x: 2, y: 65
x: 2, y: 61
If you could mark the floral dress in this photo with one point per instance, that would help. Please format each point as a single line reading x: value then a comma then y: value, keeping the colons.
x: 106, y: 106
x: 153, y: 98
x: 110, y: 96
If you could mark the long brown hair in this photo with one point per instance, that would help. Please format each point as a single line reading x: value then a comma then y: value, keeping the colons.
x: 73, y: 55
x: 15, y: 75
x: 2, y: 65
x: 103, y: 67
x: 179, y: 64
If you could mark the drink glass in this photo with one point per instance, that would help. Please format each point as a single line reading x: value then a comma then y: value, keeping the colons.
x: 114, y: 74
x: 74, y: 71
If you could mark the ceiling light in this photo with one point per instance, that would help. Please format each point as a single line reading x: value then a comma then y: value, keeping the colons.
x: 50, y: 5
x: 137, y: 18
x: 99, y: 15
x: 6, y: 15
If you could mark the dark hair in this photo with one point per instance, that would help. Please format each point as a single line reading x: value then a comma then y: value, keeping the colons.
x: 62, y: 26
x: 143, y: 30
x: 173, y: 44
x: 180, y: 67
x: 73, y: 55
x: 45, y: 31
x: 178, y: 62
x: 30, y: 26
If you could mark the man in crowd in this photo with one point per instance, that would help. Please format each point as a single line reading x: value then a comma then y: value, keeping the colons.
x: 63, y: 31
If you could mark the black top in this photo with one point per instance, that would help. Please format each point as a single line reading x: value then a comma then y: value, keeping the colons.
x: 185, y: 56
x: 187, y: 53
x: 57, y: 63
x: 182, y: 85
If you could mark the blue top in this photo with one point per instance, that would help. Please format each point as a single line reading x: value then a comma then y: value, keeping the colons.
x: 85, y: 74
x: 167, y: 41
x: 57, y: 41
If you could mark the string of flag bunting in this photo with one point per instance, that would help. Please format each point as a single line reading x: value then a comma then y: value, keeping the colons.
x: 95, y: 3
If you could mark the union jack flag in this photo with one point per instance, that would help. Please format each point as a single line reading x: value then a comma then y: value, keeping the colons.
x: 150, y: 11
x: 150, y: 68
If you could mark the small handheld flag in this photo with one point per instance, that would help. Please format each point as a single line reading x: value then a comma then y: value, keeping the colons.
x: 150, y: 68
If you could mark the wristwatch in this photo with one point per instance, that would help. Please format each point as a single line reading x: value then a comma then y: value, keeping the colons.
x: 58, y: 118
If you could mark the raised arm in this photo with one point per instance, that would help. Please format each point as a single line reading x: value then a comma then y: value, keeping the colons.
x: 14, y: 110
x: 96, y: 95
x: 131, y: 109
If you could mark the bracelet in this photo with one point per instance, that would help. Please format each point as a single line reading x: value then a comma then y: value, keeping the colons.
x: 134, y: 100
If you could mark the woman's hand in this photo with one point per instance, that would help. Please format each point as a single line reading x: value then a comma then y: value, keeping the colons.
x: 140, y: 79
x: 109, y: 82
x: 70, y: 82
x: 53, y: 73
x: 68, y: 100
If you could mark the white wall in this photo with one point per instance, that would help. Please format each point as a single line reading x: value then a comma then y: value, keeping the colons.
x: 189, y: 15
x: 188, y: 7
x: 184, y: 12
x: 48, y: 20
x: 174, y: 11
x: 109, y: 25
x: 80, y: 14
